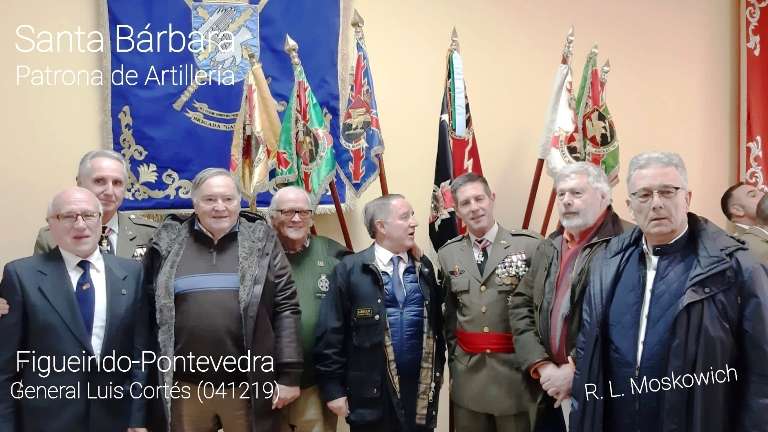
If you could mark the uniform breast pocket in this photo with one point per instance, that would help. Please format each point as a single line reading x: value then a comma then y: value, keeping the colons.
x: 367, y: 332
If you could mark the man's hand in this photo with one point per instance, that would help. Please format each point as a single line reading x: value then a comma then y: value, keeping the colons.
x: 557, y: 380
x: 284, y: 396
x: 339, y: 406
x: 4, y: 307
x: 137, y: 430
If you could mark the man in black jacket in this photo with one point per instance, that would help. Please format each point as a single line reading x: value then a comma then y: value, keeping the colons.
x: 674, y: 334
x: 379, y: 353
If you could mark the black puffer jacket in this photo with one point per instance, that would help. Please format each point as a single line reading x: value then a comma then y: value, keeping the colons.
x: 722, y: 321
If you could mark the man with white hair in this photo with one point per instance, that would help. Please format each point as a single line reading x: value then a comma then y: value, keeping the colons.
x: 674, y: 333
x: 75, y: 307
x: 546, y: 308
x: 105, y: 173
x: 223, y: 290
x: 312, y: 260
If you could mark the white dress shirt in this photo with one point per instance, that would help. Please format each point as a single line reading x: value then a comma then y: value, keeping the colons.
x: 384, y: 262
x: 113, y: 226
x: 490, y: 236
x: 99, y: 279
x: 651, y: 261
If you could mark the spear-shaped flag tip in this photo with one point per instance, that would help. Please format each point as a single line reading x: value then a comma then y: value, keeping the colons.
x: 357, y: 20
x: 454, y: 39
x: 292, y: 49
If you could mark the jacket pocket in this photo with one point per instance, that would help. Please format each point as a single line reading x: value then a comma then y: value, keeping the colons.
x: 364, y: 390
x: 368, y: 332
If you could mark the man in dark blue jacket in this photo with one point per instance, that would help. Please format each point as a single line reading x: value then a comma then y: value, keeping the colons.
x: 379, y: 353
x: 675, y: 320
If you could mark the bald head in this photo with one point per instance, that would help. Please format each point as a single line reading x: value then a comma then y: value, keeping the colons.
x: 74, y: 218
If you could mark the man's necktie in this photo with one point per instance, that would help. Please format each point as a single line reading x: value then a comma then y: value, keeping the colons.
x: 483, y: 244
x: 86, y: 298
x: 104, y: 244
x: 397, y: 283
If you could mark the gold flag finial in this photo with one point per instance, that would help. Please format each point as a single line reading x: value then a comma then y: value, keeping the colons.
x: 357, y: 20
x: 292, y: 48
x: 454, y: 40
x: 593, y: 51
x: 357, y: 23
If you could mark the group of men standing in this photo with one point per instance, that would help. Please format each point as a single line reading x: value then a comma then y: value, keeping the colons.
x: 541, y: 335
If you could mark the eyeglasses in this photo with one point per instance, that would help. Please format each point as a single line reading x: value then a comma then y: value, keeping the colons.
x: 289, y: 213
x: 665, y: 193
x: 71, y: 218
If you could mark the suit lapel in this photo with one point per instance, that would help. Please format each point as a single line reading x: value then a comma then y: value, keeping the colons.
x: 57, y: 288
x: 467, y: 258
x: 117, y: 299
x: 126, y: 238
x: 498, y: 251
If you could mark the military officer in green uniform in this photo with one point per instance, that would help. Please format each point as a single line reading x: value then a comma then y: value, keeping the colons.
x: 105, y: 173
x: 312, y: 260
x: 489, y: 391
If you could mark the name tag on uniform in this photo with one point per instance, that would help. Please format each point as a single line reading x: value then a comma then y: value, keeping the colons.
x: 364, y: 313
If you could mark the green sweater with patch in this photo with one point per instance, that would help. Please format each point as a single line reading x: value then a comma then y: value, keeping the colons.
x: 311, y: 268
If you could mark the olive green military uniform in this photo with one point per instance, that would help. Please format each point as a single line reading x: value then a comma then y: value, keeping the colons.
x: 756, y: 238
x: 489, y: 391
x: 133, y: 236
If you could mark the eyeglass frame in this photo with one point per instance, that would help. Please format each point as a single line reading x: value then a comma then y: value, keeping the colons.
x: 78, y: 215
x: 655, y: 192
x: 304, y: 214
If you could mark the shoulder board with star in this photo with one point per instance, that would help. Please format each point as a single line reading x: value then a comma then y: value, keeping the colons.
x: 526, y: 233
x: 138, y: 220
x: 452, y: 241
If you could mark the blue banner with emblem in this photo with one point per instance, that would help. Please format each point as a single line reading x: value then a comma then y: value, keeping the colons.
x: 178, y: 73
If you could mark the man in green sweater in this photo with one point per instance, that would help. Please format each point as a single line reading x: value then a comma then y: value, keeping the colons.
x: 312, y: 259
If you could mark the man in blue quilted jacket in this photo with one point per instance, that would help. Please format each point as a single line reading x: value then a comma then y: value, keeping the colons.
x: 379, y: 352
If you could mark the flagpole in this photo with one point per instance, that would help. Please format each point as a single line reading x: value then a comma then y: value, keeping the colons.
x: 548, y: 214
x: 340, y: 214
x: 532, y: 193
x: 357, y: 23
x: 546, y: 143
x: 382, y: 176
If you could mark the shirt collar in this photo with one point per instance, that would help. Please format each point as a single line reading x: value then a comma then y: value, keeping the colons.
x: 112, y: 223
x: 71, y: 260
x: 742, y: 226
x: 384, y: 256
x: 199, y: 227
x: 676, y: 245
x: 490, y: 235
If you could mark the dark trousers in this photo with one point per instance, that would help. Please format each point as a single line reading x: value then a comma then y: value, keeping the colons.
x: 551, y: 418
x: 389, y: 421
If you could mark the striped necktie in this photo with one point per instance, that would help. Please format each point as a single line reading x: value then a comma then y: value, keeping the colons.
x: 483, y: 244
